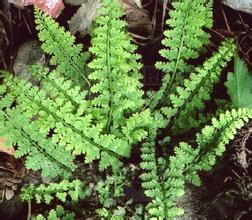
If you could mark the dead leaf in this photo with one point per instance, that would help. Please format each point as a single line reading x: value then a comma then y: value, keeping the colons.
x: 51, y: 7
x: 139, y: 23
x: 9, y: 194
x: 22, y: 3
x: 128, y: 5
x: 82, y: 19
x: 75, y: 2
x: 3, y: 148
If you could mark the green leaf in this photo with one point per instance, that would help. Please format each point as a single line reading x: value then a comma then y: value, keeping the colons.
x: 48, y: 198
x: 61, y: 196
x: 52, y: 215
x: 239, y: 85
x: 60, y: 210
x: 39, y: 217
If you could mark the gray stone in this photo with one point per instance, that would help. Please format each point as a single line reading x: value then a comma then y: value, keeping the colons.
x: 29, y: 53
x: 240, y: 5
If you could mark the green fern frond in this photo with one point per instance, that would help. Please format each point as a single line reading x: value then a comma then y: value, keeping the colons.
x: 56, y: 106
x: 137, y: 126
x: 151, y: 182
x: 68, y: 57
x: 188, y: 101
x: 63, y: 191
x: 58, y: 213
x: 39, y: 152
x: 174, y: 177
x: 164, y: 185
x: 75, y: 190
x: 32, y: 142
x: 183, y: 41
x: 68, y: 130
x: 58, y: 116
x: 115, y: 70
x: 213, y: 139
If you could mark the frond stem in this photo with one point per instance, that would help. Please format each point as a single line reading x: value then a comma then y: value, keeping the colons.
x: 109, y: 72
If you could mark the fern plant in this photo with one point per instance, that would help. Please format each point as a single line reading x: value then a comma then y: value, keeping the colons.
x: 96, y: 112
x: 183, y: 41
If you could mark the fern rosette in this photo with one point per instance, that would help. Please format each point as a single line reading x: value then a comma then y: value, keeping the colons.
x: 96, y: 113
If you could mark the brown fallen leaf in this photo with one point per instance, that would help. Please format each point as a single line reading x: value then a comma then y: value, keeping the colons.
x: 139, y: 23
x: 82, y: 19
x: 129, y: 5
x: 9, y: 194
x: 4, y: 149
x: 75, y: 2
x: 51, y: 7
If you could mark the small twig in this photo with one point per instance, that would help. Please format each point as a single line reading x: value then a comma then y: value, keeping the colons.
x: 19, y: 14
x: 150, y: 40
x: 139, y: 36
x: 165, y: 2
x: 243, y: 23
x: 26, y: 23
x: 154, y: 17
x: 146, y: 104
x: 226, y: 21
x: 147, y: 4
x: 29, y: 211
x: 4, y: 168
x: 217, y: 33
x: 4, y: 63
x: 236, y: 174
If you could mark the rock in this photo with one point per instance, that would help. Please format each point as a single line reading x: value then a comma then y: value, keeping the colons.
x: 75, y: 2
x: 240, y: 5
x: 29, y: 53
